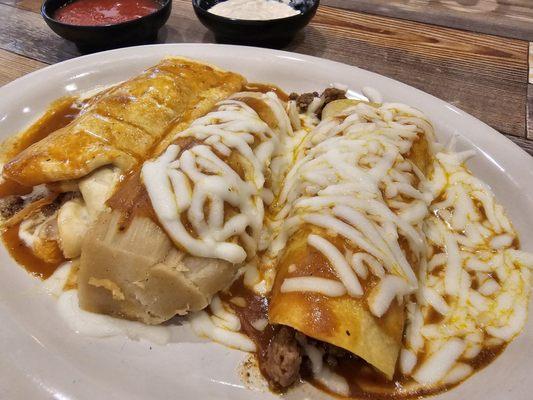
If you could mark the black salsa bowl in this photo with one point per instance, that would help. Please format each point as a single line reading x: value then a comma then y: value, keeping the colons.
x: 102, y: 37
x: 272, y: 32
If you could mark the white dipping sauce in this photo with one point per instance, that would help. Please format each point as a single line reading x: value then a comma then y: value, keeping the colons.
x: 253, y: 9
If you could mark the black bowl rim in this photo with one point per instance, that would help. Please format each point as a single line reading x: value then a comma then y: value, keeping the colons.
x: 164, y: 5
x: 255, y: 22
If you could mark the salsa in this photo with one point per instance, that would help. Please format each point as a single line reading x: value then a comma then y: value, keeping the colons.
x: 104, y: 12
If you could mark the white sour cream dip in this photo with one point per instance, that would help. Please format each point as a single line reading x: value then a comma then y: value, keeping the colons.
x: 253, y: 9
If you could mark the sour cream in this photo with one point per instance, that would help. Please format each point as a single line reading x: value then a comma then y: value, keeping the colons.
x: 253, y: 9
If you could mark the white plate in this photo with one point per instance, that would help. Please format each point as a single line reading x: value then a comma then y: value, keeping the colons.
x: 42, y: 358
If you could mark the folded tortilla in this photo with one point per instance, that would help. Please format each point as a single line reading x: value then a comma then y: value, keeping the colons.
x: 123, y: 125
x: 342, y: 320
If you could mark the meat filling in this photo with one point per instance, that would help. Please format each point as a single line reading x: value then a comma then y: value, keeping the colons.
x: 303, y: 100
x: 10, y: 205
x: 328, y: 95
x: 283, y: 359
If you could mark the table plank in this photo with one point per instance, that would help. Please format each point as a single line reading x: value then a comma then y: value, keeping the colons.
x: 25, y: 33
x: 510, y: 18
x: 530, y: 62
x: 525, y: 144
x: 475, y: 72
x: 30, y: 5
x: 15, y: 66
x: 529, y: 112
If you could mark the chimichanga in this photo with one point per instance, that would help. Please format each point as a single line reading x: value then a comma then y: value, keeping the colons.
x: 348, y: 251
x: 82, y: 162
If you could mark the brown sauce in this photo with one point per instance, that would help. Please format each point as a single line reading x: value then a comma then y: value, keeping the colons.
x: 59, y: 114
x: 265, y: 88
x: 9, y: 187
x: 132, y: 200
x: 25, y: 257
x: 364, y: 381
x: 486, y: 356
x: 131, y: 197
x: 256, y: 308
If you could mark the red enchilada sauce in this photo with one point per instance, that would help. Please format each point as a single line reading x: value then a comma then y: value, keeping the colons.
x: 104, y: 12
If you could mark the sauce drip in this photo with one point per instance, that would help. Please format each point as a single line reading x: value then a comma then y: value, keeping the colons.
x: 366, y: 383
x: 25, y: 257
x: 265, y: 88
x: 363, y: 380
x: 131, y: 197
x: 104, y: 12
x: 59, y: 114
x: 132, y: 200
x: 9, y: 187
x: 256, y: 308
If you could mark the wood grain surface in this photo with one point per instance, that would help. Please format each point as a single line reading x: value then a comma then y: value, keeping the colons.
x: 525, y: 144
x: 530, y: 62
x: 485, y: 75
x: 529, y: 112
x: 509, y: 18
x: 14, y: 66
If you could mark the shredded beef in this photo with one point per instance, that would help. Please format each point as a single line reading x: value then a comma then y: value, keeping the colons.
x: 10, y: 205
x: 329, y: 95
x: 283, y: 359
x: 332, y: 94
x: 333, y: 354
x: 303, y: 100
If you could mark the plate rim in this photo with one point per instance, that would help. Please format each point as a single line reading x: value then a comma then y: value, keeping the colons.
x: 202, y: 50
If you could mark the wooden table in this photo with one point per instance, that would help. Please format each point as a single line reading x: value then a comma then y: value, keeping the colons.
x: 477, y: 57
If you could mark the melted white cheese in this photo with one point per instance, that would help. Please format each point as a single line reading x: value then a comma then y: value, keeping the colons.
x: 348, y: 176
x: 180, y: 184
x: 327, y: 287
x: 345, y: 172
x: 470, y: 241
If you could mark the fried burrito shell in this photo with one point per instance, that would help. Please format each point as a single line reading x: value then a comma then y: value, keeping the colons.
x: 349, y: 256
x: 123, y: 124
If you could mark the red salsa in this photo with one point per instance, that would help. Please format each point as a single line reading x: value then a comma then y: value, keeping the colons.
x: 104, y: 12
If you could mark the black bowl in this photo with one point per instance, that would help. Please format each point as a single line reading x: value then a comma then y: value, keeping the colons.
x: 272, y: 32
x: 102, y: 37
